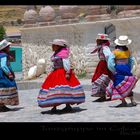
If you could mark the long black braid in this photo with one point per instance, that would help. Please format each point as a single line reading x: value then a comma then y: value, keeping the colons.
x: 123, y: 48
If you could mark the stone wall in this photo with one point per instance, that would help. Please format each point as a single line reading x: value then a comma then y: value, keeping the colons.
x: 81, y: 36
x: 67, y: 14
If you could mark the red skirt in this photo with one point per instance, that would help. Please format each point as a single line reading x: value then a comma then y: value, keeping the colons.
x: 57, y: 90
x: 102, y: 69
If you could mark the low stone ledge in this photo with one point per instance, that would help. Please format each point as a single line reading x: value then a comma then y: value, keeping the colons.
x: 29, y: 25
x: 97, y: 17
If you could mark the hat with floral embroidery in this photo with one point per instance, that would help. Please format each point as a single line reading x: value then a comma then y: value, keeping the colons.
x: 102, y: 37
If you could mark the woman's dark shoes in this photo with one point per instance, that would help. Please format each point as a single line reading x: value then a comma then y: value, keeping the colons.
x: 67, y: 109
x: 101, y: 99
x: 109, y: 99
x: 53, y: 110
x: 4, y: 109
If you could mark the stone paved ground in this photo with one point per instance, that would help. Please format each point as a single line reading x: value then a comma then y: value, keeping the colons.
x: 28, y: 110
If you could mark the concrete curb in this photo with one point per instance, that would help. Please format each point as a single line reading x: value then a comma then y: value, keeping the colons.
x: 36, y: 85
x: 28, y: 85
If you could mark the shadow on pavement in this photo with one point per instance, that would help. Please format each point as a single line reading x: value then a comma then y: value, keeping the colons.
x: 16, y: 108
x: 101, y: 100
x: 59, y: 112
x: 128, y: 105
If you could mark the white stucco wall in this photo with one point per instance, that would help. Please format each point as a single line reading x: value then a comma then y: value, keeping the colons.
x: 81, y: 37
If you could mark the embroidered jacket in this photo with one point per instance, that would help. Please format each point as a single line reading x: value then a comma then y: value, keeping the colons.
x: 5, y: 64
x: 61, y: 60
x: 120, y: 57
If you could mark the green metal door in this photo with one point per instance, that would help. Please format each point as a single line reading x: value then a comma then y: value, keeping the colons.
x: 16, y: 63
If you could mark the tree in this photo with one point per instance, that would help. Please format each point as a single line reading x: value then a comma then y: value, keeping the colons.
x: 2, y: 32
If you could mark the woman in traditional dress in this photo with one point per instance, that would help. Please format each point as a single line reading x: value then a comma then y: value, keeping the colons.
x: 8, y: 87
x: 121, y: 63
x: 102, y: 74
x: 61, y: 86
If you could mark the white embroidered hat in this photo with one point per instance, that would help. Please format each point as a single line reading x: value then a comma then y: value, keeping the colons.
x: 123, y: 41
x: 4, y: 43
x: 60, y: 42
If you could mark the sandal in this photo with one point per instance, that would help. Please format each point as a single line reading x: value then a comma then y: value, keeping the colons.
x: 134, y: 104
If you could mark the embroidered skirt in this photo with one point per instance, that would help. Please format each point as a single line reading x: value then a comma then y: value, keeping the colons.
x: 8, y: 90
x: 57, y: 90
x: 123, y: 83
x: 101, y: 79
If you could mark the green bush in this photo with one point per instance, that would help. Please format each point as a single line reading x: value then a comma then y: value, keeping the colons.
x: 82, y: 74
x: 112, y: 8
x: 2, y: 32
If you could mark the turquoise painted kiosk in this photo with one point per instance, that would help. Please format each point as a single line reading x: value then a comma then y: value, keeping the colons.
x: 16, y: 63
x: 15, y: 51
